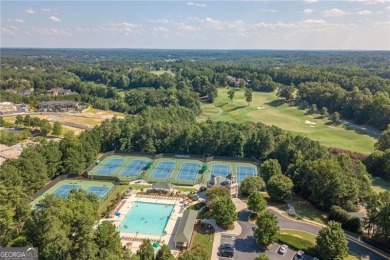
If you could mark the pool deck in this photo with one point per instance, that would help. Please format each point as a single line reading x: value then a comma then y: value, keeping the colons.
x: 133, y: 240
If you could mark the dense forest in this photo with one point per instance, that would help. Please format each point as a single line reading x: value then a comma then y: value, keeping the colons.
x: 161, y: 117
x: 357, y: 86
x: 173, y: 129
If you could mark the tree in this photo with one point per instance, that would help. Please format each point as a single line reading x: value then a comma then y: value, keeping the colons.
x: 19, y: 120
x: 242, y: 83
x: 270, y: 168
x: 377, y: 222
x: 262, y: 256
x: 2, y: 122
x: 383, y: 141
x: 324, y: 111
x: 286, y: 92
x: 331, y: 242
x: 224, y: 211
x: 279, y: 187
x: 335, y: 117
x: 45, y: 127
x: 108, y: 241
x: 27, y: 120
x: 267, y: 228
x: 231, y: 94
x: 57, y: 128
x: 146, y: 251
x: 256, y: 202
x: 251, y: 184
x: 214, y: 193
x: 164, y: 253
x: 63, y: 228
x: 248, y: 95
x: 197, y: 252
x: 313, y: 109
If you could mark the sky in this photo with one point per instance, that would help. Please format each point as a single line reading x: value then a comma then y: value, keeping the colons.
x: 303, y: 24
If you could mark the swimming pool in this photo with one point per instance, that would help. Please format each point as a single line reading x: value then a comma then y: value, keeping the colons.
x: 146, y: 218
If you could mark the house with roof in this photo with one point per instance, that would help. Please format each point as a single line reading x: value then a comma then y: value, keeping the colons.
x: 186, y: 227
x: 61, y: 92
x: 63, y: 106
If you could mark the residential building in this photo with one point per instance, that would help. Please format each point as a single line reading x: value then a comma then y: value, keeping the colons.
x: 64, y: 106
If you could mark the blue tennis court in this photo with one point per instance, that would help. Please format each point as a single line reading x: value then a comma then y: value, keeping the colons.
x: 188, y: 171
x: 245, y: 171
x: 65, y: 189
x: 110, y: 166
x: 163, y: 170
x: 220, y: 170
x: 99, y: 191
x: 133, y: 168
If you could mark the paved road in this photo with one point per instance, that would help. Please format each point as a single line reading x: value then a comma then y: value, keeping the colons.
x: 353, y: 246
x: 247, y: 249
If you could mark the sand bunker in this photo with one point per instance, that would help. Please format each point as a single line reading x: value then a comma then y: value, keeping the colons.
x: 307, y: 122
x: 261, y: 107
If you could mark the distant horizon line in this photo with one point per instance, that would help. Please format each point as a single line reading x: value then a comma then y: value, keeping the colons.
x: 187, y: 49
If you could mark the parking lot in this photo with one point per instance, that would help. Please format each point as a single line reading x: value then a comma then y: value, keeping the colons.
x: 273, y: 254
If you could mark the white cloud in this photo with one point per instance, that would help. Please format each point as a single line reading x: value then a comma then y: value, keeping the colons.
x: 364, y: 12
x: 30, y: 11
x: 19, y: 20
x: 160, y: 29
x: 162, y: 21
x: 9, y: 31
x: 371, y: 1
x: 51, y: 31
x: 55, y: 19
x: 196, y: 4
x: 46, y: 10
x: 210, y: 23
x: 388, y: 8
x: 334, y: 12
x: 305, y: 26
x: 121, y: 28
x: 310, y: 1
x: 187, y: 28
x: 269, y: 11
x: 308, y: 11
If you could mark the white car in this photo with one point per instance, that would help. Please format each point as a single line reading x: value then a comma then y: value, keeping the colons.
x: 283, y: 249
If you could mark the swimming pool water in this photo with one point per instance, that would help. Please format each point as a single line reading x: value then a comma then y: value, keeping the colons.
x: 146, y: 218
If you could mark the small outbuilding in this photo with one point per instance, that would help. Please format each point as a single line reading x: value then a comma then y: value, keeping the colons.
x: 186, y: 227
x: 162, y: 186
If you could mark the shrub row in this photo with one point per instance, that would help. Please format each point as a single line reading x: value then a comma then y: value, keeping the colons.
x: 347, y: 221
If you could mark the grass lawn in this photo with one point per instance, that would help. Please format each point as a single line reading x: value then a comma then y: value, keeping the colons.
x: 306, y: 210
x: 139, y: 186
x: 380, y: 185
x: 300, y: 234
x: 119, y: 190
x: 302, y: 240
x: 265, y: 108
x: 185, y: 189
x: 91, y: 110
x: 200, y: 237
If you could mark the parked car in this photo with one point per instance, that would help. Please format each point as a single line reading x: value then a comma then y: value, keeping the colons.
x: 283, y: 249
x: 226, y: 250
x: 299, y: 255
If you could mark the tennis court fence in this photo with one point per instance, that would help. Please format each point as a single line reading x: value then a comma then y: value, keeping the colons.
x: 142, y: 176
